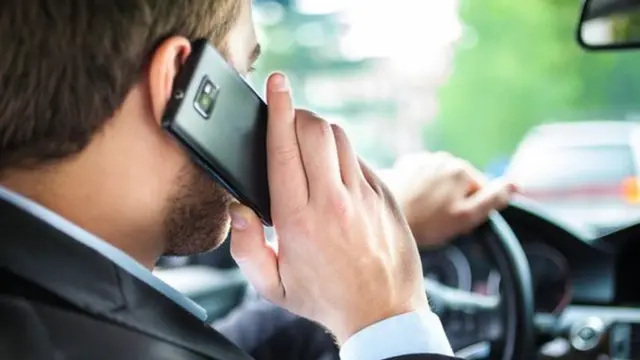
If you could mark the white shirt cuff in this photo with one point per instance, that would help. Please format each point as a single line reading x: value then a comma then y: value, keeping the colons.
x: 418, y: 332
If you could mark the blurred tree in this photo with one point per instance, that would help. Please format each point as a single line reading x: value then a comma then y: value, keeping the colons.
x: 520, y: 66
x: 515, y: 69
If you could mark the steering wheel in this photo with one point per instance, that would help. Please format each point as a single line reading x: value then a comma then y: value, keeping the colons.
x: 506, y: 320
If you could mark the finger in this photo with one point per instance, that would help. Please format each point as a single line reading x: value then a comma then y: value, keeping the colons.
x: 348, y: 161
x: 371, y: 180
x: 478, y: 179
x: 495, y: 196
x: 374, y: 184
x: 319, y: 154
x: 257, y: 260
x: 287, y: 179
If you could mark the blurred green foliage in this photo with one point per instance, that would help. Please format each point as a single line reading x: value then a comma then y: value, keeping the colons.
x: 525, y: 68
x: 518, y: 66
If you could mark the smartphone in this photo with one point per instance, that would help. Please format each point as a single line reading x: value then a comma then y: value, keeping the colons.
x: 222, y: 123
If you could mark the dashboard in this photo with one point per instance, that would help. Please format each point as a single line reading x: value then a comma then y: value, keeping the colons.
x: 466, y: 266
x: 567, y: 265
x: 585, y: 287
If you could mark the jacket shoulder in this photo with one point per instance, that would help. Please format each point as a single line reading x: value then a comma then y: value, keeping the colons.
x: 22, y: 333
x: 34, y: 331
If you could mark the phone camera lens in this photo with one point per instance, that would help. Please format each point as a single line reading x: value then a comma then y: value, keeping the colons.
x: 206, y: 98
x: 205, y: 102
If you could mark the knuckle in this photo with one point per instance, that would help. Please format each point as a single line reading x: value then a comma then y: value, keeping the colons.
x: 322, y: 128
x: 299, y: 225
x: 313, y: 126
x: 339, y: 204
x: 338, y: 131
x: 465, y: 215
x: 296, y: 210
x: 285, y: 154
x: 458, y: 172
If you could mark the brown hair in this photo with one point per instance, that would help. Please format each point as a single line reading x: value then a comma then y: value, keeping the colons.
x: 67, y: 65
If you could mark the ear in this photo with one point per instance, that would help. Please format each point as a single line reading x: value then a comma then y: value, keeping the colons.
x: 163, y: 68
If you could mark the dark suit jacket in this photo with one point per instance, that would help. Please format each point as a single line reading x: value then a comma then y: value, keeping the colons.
x: 60, y: 299
x: 268, y: 332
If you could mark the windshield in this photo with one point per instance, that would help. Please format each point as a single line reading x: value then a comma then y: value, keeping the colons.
x: 464, y: 76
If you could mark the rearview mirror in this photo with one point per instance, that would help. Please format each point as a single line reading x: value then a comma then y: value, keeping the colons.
x: 610, y: 24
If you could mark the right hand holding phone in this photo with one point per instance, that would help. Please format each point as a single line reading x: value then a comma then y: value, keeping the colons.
x: 346, y: 257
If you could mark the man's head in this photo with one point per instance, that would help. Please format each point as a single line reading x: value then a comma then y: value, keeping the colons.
x: 84, y: 85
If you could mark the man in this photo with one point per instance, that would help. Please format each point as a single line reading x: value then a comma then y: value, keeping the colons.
x: 268, y: 332
x: 93, y: 192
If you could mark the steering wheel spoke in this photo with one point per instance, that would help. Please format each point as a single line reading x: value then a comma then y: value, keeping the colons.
x: 468, y: 318
x: 477, y: 351
x: 502, y: 323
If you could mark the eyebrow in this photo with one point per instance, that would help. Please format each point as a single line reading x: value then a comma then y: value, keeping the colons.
x: 255, y: 54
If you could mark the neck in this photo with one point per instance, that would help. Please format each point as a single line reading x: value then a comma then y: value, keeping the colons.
x: 92, y: 202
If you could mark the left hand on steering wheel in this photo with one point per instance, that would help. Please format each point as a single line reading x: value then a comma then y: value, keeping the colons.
x: 443, y: 196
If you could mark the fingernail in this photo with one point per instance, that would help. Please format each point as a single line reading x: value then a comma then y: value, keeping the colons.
x: 280, y: 82
x: 238, y: 221
x: 514, y: 188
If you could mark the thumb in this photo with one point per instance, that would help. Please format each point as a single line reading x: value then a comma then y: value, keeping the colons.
x: 257, y: 260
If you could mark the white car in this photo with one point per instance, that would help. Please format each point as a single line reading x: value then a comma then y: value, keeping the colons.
x: 585, y: 172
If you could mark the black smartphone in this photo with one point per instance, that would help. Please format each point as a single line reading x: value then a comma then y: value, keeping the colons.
x: 222, y: 123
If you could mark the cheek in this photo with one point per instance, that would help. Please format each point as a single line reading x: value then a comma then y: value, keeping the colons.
x: 159, y: 172
x: 171, y: 159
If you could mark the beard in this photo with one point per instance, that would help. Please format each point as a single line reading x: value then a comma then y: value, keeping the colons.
x: 197, y: 219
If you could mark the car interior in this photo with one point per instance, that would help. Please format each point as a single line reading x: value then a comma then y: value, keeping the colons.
x: 526, y: 282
